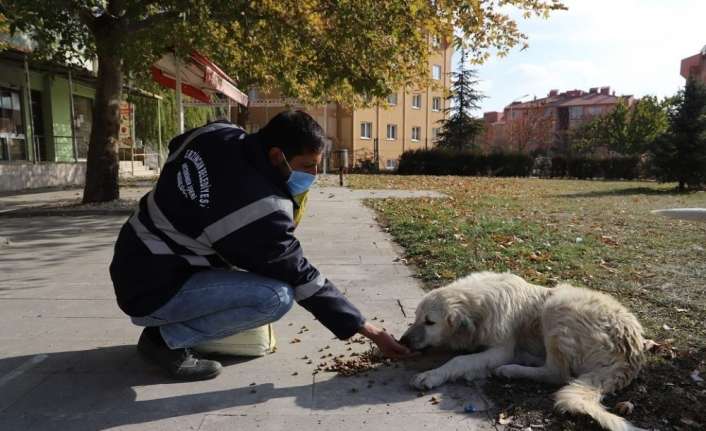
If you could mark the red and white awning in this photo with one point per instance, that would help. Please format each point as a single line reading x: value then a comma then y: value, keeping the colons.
x: 200, y: 78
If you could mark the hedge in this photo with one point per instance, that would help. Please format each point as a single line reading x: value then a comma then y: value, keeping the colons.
x: 444, y: 162
x: 612, y: 168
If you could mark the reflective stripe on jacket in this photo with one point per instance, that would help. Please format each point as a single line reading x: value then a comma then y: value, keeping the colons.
x: 219, y: 203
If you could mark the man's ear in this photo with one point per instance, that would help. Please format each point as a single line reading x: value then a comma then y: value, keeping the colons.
x: 459, y: 319
x: 274, y: 155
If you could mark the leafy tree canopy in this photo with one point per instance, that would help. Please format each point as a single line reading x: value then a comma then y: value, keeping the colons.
x: 311, y: 49
x: 347, y: 50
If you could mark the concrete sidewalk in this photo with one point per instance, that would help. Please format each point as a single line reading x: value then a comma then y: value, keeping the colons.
x: 68, y: 360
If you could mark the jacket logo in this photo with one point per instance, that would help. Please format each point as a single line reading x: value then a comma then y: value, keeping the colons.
x: 200, y: 189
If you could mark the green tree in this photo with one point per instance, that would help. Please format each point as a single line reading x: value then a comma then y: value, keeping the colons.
x: 311, y: 49
x: 146, y: 123
x: 612, y: 130
x: 627, y: 130
x: 4, y: 29
x: 459, y: 129
x: 648, y: 120
x: 680, y: 153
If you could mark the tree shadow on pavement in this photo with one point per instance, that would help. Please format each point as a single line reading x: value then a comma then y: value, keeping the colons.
x: 34, y: 248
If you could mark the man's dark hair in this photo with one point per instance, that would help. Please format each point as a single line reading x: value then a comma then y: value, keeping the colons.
x: 294, y: 132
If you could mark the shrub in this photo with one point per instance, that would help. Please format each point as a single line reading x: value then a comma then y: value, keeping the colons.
x: 444, y: 162
x: 613, y: 168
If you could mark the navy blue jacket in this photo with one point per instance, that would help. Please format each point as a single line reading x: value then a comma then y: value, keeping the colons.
x: 219, y: 203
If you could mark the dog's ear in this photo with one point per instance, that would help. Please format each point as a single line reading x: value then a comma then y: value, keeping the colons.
x: 459, y: 319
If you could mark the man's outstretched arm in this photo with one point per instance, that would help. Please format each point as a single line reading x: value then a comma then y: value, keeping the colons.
x: 272, y: 250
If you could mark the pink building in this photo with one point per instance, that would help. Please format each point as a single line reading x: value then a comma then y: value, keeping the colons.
x: 541, y: 124
x: 695, y: 66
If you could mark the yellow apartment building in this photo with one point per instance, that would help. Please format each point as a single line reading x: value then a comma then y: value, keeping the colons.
x: 379, y: 134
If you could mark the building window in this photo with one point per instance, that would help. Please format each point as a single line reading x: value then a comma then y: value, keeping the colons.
x: 434, y: 133
x: 417, y: 101
x: 436, y: 104
x: 366, y: 130
x: 392, y: 131
x: 575, y: 112
x: 416, y: 133
x: 390, y: 164
x: 436, y: 72
x: 594, y: 110
x: 392, y: 99
x: 13, y: 145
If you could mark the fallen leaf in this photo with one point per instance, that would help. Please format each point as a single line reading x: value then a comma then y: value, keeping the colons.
x: 608, y: 240
x: 687, y: 421
x: 503, y: 419
x: 651, y: 345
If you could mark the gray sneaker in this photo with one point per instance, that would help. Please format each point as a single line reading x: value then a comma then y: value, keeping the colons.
x: 181, y: 364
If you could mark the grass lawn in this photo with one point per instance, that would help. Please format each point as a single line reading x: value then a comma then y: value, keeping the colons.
x: 591, y: 233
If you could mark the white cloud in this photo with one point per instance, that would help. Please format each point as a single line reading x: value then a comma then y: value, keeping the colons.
x: 560, y: 74
x: 634, y: 46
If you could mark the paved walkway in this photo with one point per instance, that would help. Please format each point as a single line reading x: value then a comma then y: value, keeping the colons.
x: 68, y: 361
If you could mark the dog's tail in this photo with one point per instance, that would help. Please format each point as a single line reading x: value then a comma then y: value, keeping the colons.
x: 583, y: 396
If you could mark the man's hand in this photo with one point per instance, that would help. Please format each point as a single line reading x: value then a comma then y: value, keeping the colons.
x: 385, y: 342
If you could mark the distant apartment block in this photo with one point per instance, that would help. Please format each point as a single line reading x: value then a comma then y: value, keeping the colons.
x: 542, y: 124
x: 695, y: 66
x: 408, y: 119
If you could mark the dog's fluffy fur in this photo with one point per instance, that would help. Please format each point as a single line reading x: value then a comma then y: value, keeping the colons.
x: 563, y: 335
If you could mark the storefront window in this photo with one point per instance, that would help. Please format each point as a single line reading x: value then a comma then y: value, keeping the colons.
x: 12, y: 133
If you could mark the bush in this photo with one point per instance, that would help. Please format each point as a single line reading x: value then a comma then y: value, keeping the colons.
x: 445, y: 162
x: 559, y: 167
x: 612, y: 168
x: 365, y: 166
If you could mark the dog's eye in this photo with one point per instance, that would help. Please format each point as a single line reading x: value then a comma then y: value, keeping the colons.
x: 428, y: 322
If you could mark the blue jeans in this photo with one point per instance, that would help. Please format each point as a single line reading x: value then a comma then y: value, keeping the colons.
x: 214, y: 304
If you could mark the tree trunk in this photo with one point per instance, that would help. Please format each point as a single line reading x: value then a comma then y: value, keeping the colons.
x: 102, y: 164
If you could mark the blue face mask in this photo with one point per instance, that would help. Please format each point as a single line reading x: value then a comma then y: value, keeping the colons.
x: 298, y: 182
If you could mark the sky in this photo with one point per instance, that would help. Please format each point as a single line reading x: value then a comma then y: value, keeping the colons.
x: 633, y: 46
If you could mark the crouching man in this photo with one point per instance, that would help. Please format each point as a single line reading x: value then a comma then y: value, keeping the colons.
x: 211, y: 250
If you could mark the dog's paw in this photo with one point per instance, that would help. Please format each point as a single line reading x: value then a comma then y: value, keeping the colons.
x: 506, y: 371
x: 428, y: 380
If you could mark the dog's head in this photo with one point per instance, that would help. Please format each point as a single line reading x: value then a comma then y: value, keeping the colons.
x: 444, y: 317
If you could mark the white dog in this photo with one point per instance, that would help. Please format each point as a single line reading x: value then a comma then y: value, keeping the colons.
x: 563, y: 335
